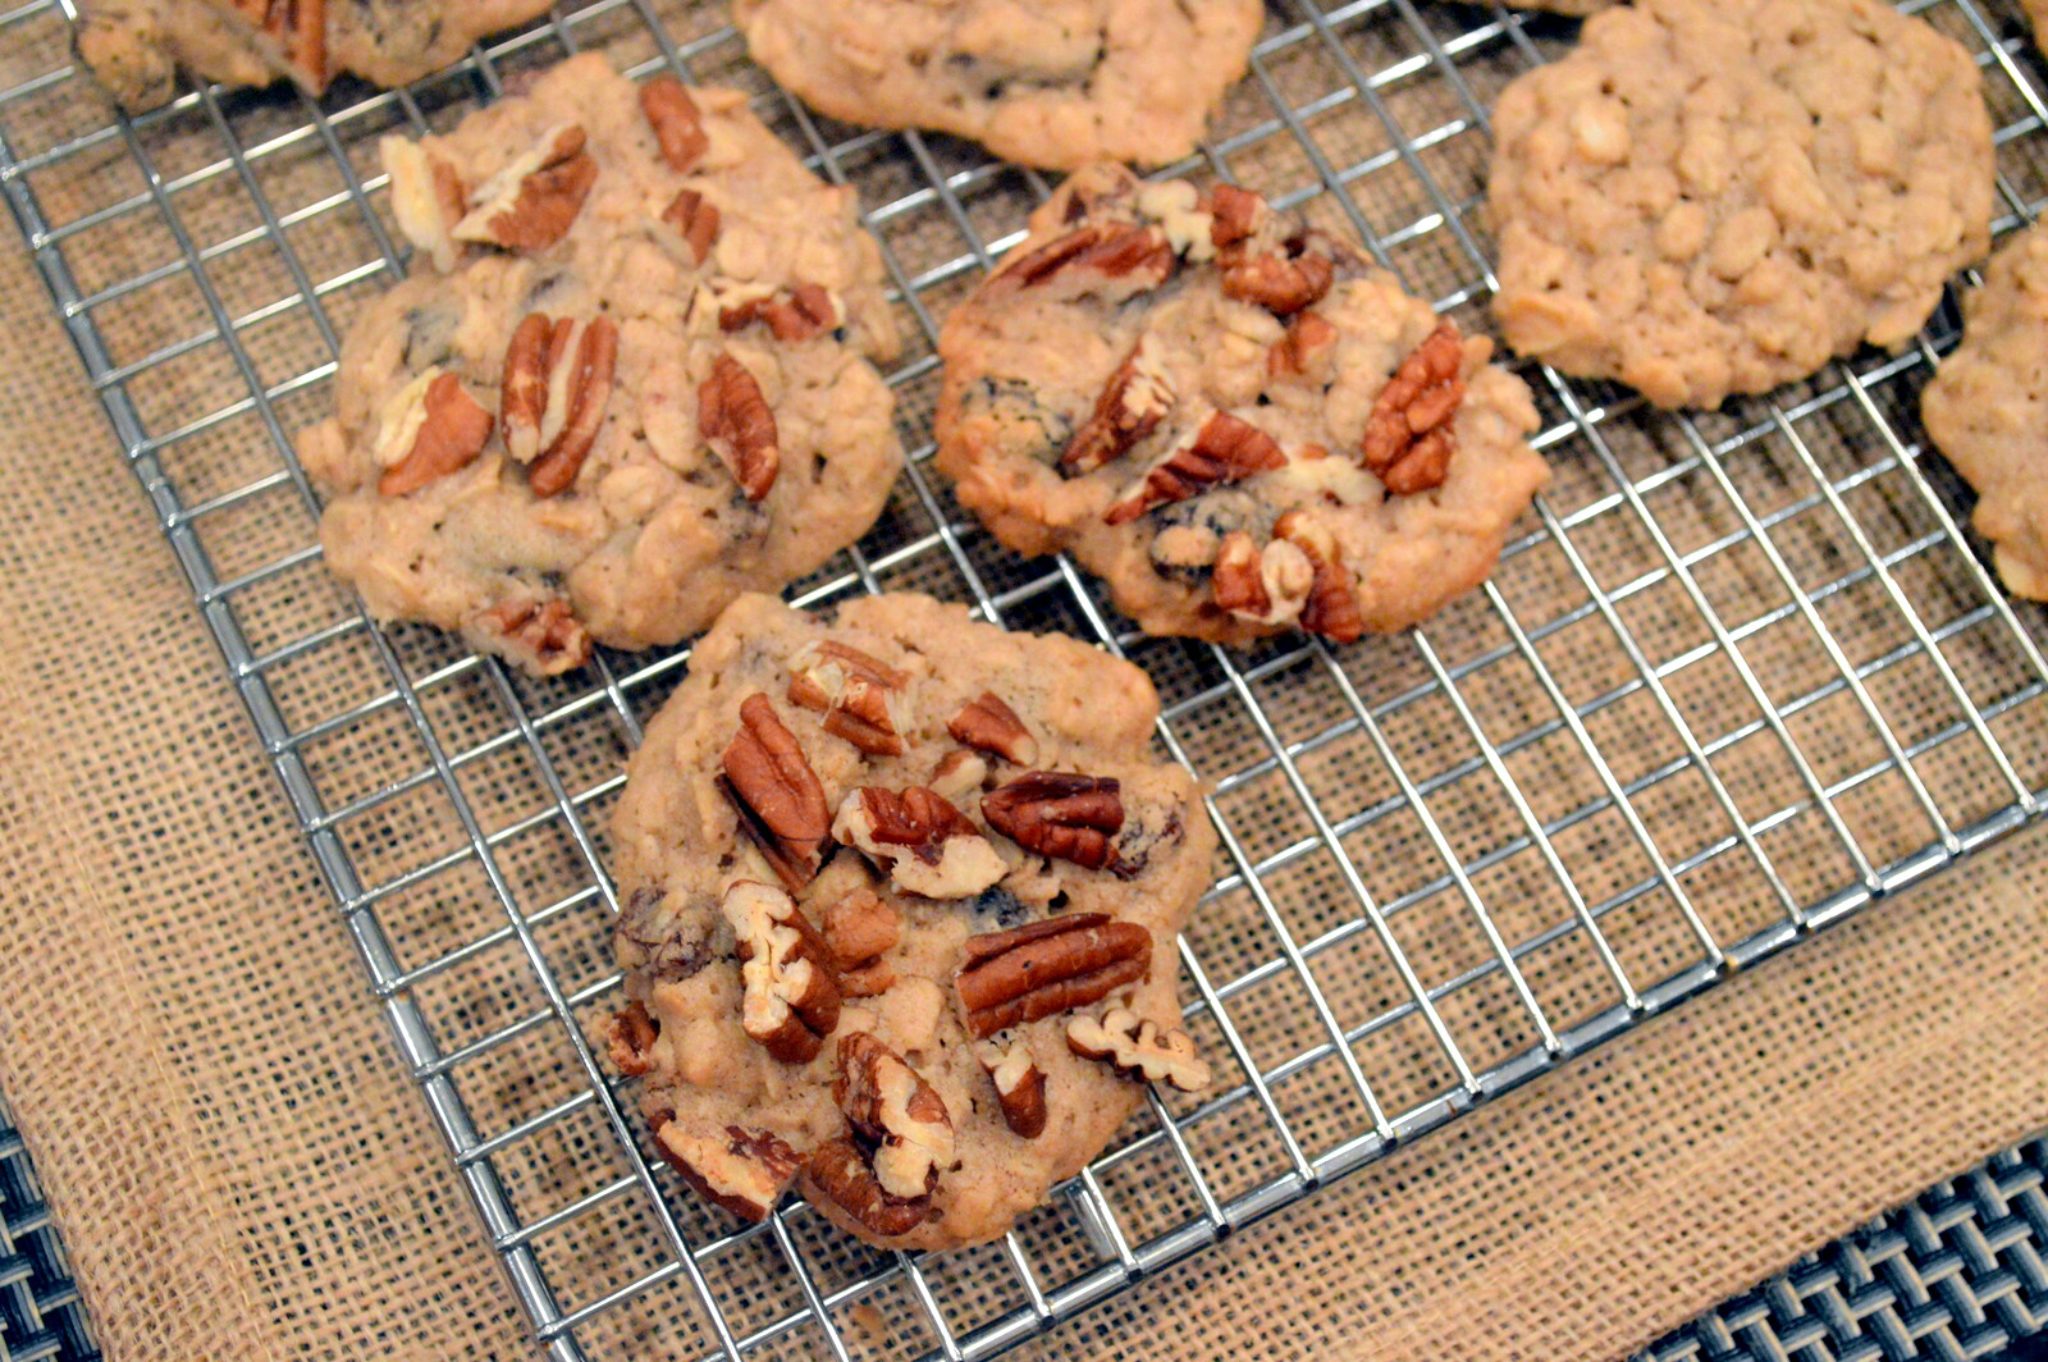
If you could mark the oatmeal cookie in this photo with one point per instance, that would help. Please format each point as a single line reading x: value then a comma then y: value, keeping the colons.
x: 642, y: 388
x: 1235, y: 421
x: 1713, y: 198
x: 134, y: 47
x: 1053, y: 83
x: 901, y: 894
x: 1987, y: 410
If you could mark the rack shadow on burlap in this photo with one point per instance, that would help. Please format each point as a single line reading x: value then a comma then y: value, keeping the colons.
x: 1741, y: 676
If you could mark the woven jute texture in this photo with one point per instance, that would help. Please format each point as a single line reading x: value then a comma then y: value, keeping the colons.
x: 242, y: 1169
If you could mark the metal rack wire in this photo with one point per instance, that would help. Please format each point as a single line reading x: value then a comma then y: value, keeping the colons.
x: 1743, y: 676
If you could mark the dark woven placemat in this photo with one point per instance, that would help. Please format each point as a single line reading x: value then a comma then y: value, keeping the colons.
x: 40, y: 1314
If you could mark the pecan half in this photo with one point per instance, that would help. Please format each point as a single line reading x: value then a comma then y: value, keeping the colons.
x: 630, y: 1036
x: 553, y: 398
x: 863, y: 699
x: 299, y: 28
x: 432, y: 428
x: 1107, y: 250
x: 531, y: 203
x: 1283, y: 281
x: 985, y: 722
x: 745, y: 1171
x: 697, y: 219
x: 1409, y: 438
x: 928, y: 847
x: 791, y: 997
x: 842, y: 1173
x: 1019, y: 1084
x: 1237, y: 213
x: 1034, y: 971
x: 1269, y: 585
x: 1225, y: 449
x: 1133, y: 403
x: 734, y: 419
x: 1308, y: 333
x: 1071, y: 817
x: 1139, y: 1050
x: 1331, y: 607
x: 860, y: 928
x: 678, y: 127
x: 803, y: 312
x: 896, y: 1113
x: 544, y: 633
x: 779, y: 800
x: 427, y: 198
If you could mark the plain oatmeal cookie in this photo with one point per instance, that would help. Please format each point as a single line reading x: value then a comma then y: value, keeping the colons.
x: 134, y: 47
x: 901, y: 895
x: 1053, y: 83
x: 1712, y: 199
x: 642, y: 387
x: 1235, y: 421
x: 1987, y: 410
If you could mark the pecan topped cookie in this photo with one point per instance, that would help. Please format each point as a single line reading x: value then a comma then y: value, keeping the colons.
x: 901, y: 893
x: 628, y: 379
x: 133, y: 47
x: 1233, y: 419
x: 1053, y: 83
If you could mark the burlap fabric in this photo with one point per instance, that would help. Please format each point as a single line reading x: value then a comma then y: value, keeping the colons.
x: 243, y: 1171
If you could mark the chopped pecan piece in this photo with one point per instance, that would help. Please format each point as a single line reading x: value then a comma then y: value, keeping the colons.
x: 780, y: 803
x: 958, y: 774
x: 895, y: 1113
x: 546, y: 632
x: 631, y: 1035
x: 842, y: 1173
x: 1308, y: 333
x: 427, y: 198
x: 1225, y: 449
x: 860, y: 928
x: 1409, y: 438
x: 805, y: 311
x: 697, y: 219
x: 1238, y: 214
x: 745, y: 1171
x: 1034, y: 971
x: 677, y: 125
x: 531, y: 203
x: 734, y: 419
x: 985, y: 722
x: 1331, y: 607
x: 929, y: 847
x: 1019, y: 1084
x: 1139, y: 1050
x: 299, y: 28
x: 1282, y: 281
x: 1070, y: 817
x: 1268, y: 585
x: 553, y: 398
x: 1110, y: 250
x: 791, y: 1000
x: 432, y: 428
x: 1133, y: 403
x: 861, y: 697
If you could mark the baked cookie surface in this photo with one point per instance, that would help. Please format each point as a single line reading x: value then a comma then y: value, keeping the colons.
x: 1987, y: 410
x: 1052, y: 83
x: 642, y: 387
x: 1235, y: 422
x: 1712, y: 199
x: 901, y: 893
x: 133, y: 47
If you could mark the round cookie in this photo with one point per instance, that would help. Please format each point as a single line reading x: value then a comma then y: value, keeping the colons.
x: 133, y: 47
x: 1055, y: 83
x: 901, y: 894
x: 1713, y: 198
x: 639, y: 391
x: 1987, y: 410
x: 1235, y: 422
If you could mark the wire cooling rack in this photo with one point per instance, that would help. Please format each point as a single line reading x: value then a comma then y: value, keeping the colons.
x: 1742, y: 676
